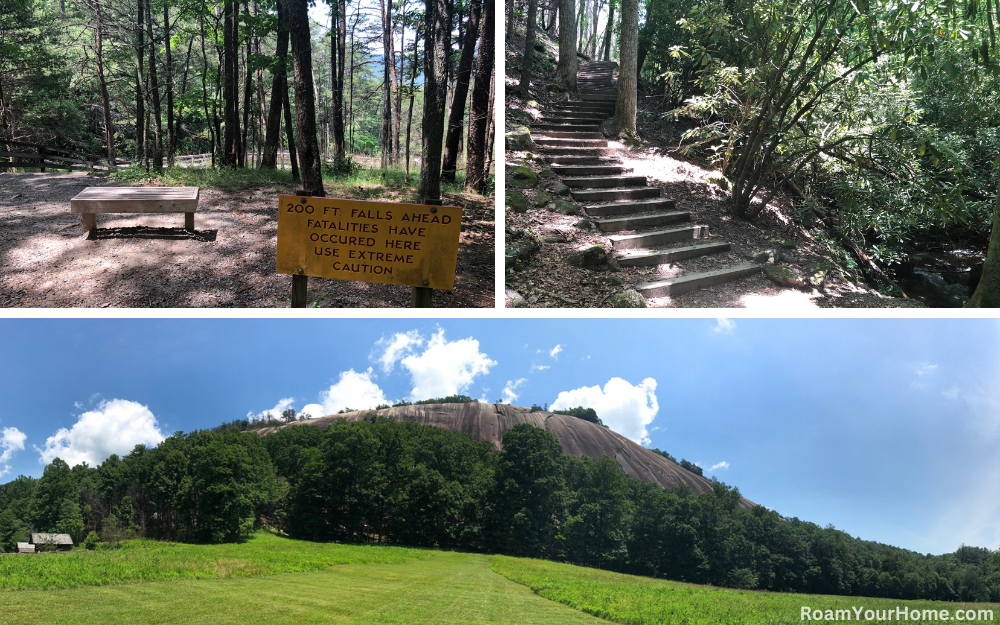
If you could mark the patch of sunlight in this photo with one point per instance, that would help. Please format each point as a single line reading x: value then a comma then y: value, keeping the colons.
x: 658, y: 167
x: 782, y: 302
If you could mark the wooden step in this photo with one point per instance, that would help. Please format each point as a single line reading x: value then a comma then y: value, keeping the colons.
x: 626, y: 193
x: 691, y: 282
x: 629, y: 208
x: 619, y: 224
x: 593, y: 170
x: 646, y: 258
x: 605, y: 182
x: 572, y: 143
x: 658, y: 237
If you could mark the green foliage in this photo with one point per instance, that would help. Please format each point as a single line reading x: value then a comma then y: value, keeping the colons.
x: 587, y: 414
x: 450, y: 399
x: 92, y: 541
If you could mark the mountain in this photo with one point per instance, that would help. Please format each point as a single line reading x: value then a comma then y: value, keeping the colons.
x: 489, y: 422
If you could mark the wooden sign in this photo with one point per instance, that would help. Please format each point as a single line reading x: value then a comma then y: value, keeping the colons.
x: 389, y: 242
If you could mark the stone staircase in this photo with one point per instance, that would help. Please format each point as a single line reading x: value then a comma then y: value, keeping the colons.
x: 646, y: 228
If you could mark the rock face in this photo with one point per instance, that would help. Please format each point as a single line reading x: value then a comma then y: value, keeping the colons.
x: 489, y: 422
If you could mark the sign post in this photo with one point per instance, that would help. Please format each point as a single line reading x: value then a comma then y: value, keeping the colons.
x: 392, y: 243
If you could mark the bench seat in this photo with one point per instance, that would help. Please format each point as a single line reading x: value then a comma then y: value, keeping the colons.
x: 94, y: 200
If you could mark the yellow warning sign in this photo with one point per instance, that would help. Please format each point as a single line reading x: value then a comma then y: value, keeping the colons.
x: 388, y: 242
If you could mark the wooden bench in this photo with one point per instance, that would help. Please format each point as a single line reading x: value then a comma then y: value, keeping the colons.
x: 94, y: 200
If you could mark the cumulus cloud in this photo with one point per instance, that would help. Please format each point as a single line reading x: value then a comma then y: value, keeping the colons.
x: 724, y: 326
x: 556, y: 351
x: 11, y: 442
x: 114, y: 427
x: 537, y: 367
x: 388, y: 351
x: 925, y: 369
x: 445, y: 367
x: 272, y: 413
x: 510, y: 390
x: 718, y: 466
x: 354, y: 390
x: 623, y: 407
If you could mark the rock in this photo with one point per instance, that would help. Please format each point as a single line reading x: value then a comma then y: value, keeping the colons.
x: 612, y: 280
x: 519, y: 140
x: 816, y: 273
x: 591, y: 258
x: 558, y: 188
x: 584, y: 224
x: 784, y: 276
x: 516, y: 201
x: 716, y: 178
x: 768, y: 257
x: 613, y: 264
x: 513, y: 299
x: 519, y: 253
x: 542, y: 198
x: 522, y: 177
x: 539, y: 46
x: 567, y: 208
x: 546, y: 173
x: 788, y: 244
x: 554, y: 89
x: 627, y: 299
x: 556, y: 238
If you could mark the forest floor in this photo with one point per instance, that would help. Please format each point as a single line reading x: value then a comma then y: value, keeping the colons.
x: 548, y: 280
x: 149, y: 260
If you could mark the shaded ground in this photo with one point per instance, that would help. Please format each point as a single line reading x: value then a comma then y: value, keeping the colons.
x: 150, y: 261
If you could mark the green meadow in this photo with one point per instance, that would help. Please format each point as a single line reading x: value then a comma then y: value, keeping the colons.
x: 269, y: 579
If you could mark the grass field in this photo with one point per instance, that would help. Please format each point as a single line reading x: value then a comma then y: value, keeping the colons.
x: 644, y: 601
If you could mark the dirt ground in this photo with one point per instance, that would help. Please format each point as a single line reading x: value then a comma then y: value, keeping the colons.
x: 149, y: 260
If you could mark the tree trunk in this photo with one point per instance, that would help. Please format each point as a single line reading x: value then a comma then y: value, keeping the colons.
x: 437, y: 40
x: 511, y: 8
x: 140, y: 87
x: 292, y: 152
x: 109, y: 124
x: 475, y: 162
x: 279, y: 87
x: 457, y: 115
x: 247, y: 90
x: 398, y: 98
x: 609, y: 30
x: 529, y: 50
x: 210, y: 119
x: 987, y: 294
x: 305, y: 99
x: 338, y: 108
x: 386, y: 144
x: 623, y: 123
x: 230, y: 147
x: 154, y: 95
x: 409, y: 115
x: 171, y: 130
x: 338, y: 147
x: 566, y: 69
x: 179, y: 121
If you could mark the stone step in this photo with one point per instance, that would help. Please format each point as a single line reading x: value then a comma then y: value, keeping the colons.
x: 599, y: 97
x: 658, y: 237
x: 570, y: 114
x: 608, y: 182
x: 579, y: 121
x: 646, y: 258
x: 564, y: 128
x: 575, y: 151
x: 593, y: 170
x: 691, y: 282
x: 626, y: 193
x: 629, y: 208
x: 582, y: 160
x: 570, y: 134
x: 618, y: 224
x: 579, y: 106
x: 572, y: 143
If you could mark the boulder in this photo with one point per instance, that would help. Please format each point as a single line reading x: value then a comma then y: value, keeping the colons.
x: 591, y: 258
x: 522, y: 177
x: 558, y: 188
x: 629, y: 298
x: 816, y: 273
x: 519, y: 140
x: 519, y: 253
x: 768, y: 257
x: 513, y: 299
x: 516, y: 202
x: 542, y: 198
x: 556, y: 238
x: 716, y: 178
x: 584, y: 224
x: 784, y: 276
x: 567, y: 208
x: 611, y: 280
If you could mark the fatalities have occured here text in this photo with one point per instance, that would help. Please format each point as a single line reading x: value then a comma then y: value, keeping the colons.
x: 388, y: 242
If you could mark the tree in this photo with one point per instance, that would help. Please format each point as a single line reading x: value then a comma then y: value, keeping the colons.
x: 279, y: 91
x: 388, y: 156
x: 987, y: 294
x: 460, y: 93
x: 437, y: 40
x: 476, y: 167
x: 529, y: 49
x: 623, y: 123
x: 566, y: 69
x: 305, y: 99
x: 56, y: 486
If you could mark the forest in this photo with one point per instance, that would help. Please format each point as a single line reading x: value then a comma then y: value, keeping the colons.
x: 327, y: 88
x: 383, y: 481
x: 878, y: 120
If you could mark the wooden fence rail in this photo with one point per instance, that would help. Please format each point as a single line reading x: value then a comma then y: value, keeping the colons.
x: 55, y: 158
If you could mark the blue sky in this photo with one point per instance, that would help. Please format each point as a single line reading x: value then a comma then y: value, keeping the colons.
x: 888, y: 430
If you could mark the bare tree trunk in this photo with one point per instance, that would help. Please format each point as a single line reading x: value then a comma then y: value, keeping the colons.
x: 609, y: 30
x: 171, y: 131
x: 566, y: 69
x: 457, y: 114
x: 230, y: 146
x: 409, y: 115
x: 279, y: 87
x: 437, y: 20
x: 247, y: 91
x: 154, y: 94
x: 212, y: 125
x: 398, y: 97
x: 529, y: 50
x: 140, y: 87
x: 623, y: 123
x: 476, y: 155
x: 386, y: 143
x: 292, y: 152
x: 338, y: 110
x: 305, y: 99
x: 109, y: 123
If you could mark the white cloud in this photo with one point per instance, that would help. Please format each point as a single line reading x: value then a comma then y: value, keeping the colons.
x: 624, y: 408
x: 393, y: 349
x: 445, y: 367
x: 555, y: 352
x: 272, y: 413
x: 11, y: 442
x: 354, y: 390
x: 509, y: 391
x: 925, y: 369
x: 724, y: 326
x: 718, y: 466
x: 537, y: 367
x: 312, y: 411
x: 114, y: 427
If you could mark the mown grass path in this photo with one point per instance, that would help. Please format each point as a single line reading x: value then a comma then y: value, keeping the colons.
x: 441, y: 588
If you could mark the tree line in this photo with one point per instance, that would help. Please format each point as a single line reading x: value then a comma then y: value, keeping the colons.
x: 245, y: 80
x: 383, y: 481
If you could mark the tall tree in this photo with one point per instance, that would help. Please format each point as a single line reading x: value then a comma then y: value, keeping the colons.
x: 476, y: 167
x: 609, y: 29
x: 169, y: 79
x: 290, y: 134
x: 140, y: 86
x: 437, y: 40
x: 387, y: 153
x: 156, y: 155
x: 230, y: 145
x: 279, y: 90
x: 461, y: 93
x: 413, y: 93
x: 623, y: 123
x: 529, y: 50
x: 109, y: 124
x: 987, y: 293
x: 305, y: 99
x: 566, y: 69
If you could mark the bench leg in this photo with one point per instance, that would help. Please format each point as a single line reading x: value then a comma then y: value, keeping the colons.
x: 189, y: 222
x: 89, y: 222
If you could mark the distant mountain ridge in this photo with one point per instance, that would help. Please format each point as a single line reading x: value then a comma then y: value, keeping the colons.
x: 489, y: 422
